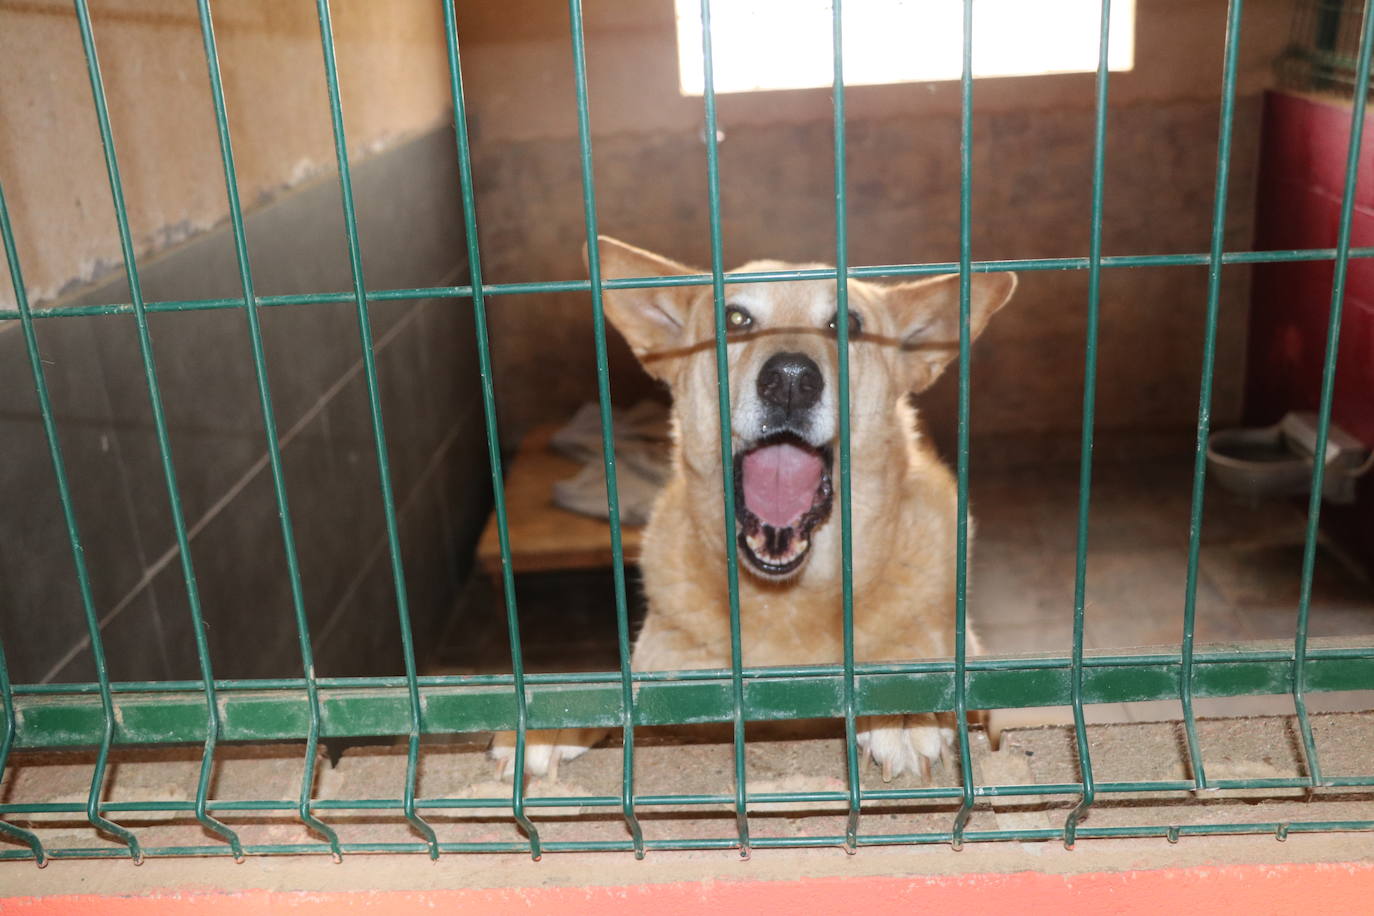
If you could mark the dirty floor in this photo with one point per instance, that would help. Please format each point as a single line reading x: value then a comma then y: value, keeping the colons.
x: 670, y: 764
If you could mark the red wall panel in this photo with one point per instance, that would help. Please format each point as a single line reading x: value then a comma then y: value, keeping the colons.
x: 1301, y: 181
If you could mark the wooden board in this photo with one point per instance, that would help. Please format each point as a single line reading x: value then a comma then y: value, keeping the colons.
x: 544, y: 537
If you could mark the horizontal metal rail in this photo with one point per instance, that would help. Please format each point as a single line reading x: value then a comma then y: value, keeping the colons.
x: 268, y: 710
x: 1273, y: 828
x: 875, y: 272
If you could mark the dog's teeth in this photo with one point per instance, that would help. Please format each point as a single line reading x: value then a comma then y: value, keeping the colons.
x: 795, y: 549
x: 778, y: 546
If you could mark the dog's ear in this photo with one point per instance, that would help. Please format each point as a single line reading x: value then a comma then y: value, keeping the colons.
x: 927, y: 313
x: 653, y: 319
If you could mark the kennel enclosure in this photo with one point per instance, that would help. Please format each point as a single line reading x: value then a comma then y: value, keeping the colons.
x: 210, y: 711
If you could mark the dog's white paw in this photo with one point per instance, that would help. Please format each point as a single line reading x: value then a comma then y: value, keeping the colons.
x: 544, y: 749
x: 905, y: 744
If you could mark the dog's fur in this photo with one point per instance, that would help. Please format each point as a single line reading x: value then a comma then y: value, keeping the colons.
x: 904, y: 507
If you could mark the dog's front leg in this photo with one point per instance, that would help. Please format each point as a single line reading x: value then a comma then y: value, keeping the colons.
x: 545, y: 749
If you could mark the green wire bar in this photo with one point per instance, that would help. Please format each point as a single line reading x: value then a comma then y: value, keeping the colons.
x: 26, y: 837
x: 1333, y: 336
x: 872, y: 272
x: 207, y: 31
x: 104, y: 736
x: 974, y: 836
x: 378, y: 431
x: 1231, y: 672
x: 1085, y: 462
x: 36, y: 365
x: 961, y: 818
x: 727, y: 462
x: 607, y: 801
x: 159, y: 712
x: 1204, y: 410
x: 145, y: 346
x: 603, y: 390
x: 851, y: 743
x: 498, y: 487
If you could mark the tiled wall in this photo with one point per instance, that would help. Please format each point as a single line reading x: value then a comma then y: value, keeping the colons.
x: 411, y: 235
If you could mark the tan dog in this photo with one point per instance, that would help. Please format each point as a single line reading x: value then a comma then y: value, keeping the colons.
x: 784, y: 414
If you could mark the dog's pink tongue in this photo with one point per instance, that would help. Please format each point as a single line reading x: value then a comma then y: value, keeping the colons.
x: 780, y: 483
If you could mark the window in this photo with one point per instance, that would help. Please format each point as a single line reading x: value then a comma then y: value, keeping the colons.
x: 786, y: 44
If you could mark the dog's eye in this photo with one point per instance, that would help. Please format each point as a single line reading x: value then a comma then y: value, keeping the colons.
x: 856, y: 326
x: 737, y: 319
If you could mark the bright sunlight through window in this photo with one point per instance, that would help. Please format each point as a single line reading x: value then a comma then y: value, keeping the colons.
x: 786, y: 44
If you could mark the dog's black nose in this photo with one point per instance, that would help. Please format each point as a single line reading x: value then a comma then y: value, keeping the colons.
x: 791, y: 381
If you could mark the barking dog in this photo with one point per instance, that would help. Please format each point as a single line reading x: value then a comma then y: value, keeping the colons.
x: 783, y: 364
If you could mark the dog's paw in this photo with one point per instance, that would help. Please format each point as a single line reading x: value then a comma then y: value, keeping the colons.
x: 544, y: 749
x: 905, y: 744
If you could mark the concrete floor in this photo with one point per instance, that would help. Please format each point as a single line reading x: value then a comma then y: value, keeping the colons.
x: 1249, y: 564
x: 775, y: 762
x: 1249, y: 572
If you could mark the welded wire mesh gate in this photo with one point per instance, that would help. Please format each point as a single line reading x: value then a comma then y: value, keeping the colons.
x: 103, y: 714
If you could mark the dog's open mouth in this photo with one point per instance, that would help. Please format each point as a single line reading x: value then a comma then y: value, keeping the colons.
x: 783, y: 492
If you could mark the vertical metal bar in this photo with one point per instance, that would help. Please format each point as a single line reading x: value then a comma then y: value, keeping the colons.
x: 961, y: 531
x: 1333, y: 337
x: 851, y: 830
x: 49, y: 427
x: 1085, y: 463
x: 226, y: 149
x: 727, y: 463
x: 145, y: 346
x: 498, y: 487
x: 603, y: 391
x: 7, y: 743
x: 26, y: 837
x: 1204, y: 409
x: 393, y: 537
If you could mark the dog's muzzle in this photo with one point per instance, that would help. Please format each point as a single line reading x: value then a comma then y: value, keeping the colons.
x: 783, y: 487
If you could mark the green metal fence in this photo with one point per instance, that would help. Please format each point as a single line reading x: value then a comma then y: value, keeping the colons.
x: 308, y: 708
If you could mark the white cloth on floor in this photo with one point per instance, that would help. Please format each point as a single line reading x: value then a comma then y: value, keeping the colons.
x: 641, y: 449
